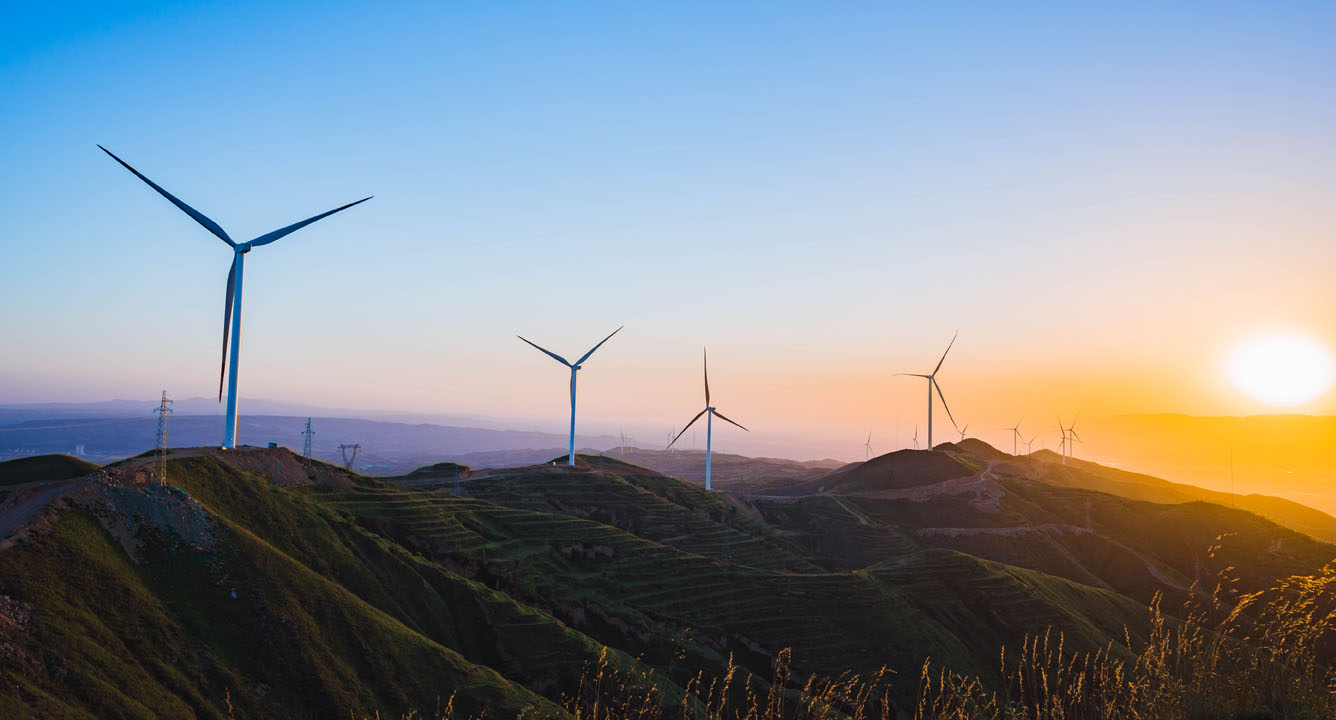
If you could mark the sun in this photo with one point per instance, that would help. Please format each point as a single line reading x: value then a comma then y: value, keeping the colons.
x: 1281, y: 369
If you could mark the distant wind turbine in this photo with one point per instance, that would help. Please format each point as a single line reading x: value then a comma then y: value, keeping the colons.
x: 1072, y: 439
x: 709, y: 422
x: 916, y: 437
x: 1062, y: 445
x: 932, y: 383
x: 868, y: 445
x: 231, y: 320
x: 1029, y: 446
x: 1015, y: 435
x: 575, y: 368
x: 962, y: 432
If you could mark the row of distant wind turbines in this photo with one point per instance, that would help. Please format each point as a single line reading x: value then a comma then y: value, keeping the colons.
x: 232, y: 328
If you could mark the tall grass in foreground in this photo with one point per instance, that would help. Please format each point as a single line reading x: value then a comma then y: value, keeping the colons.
x: 1259, y: 655
x: 1232, y: 656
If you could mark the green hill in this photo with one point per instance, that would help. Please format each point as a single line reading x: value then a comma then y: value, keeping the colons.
x: 257, y: 587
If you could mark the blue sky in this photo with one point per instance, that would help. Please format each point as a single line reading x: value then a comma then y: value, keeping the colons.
x: 1104, y: 199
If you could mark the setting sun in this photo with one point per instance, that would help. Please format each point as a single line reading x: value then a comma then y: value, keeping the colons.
x: 1281, y: 370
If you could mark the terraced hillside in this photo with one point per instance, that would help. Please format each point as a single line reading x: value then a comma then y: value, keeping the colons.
x: 623, y: 554
x: 254, y: 585
x: 1011, y: 512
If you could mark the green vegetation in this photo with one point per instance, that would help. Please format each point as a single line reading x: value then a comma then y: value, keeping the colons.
x: 609, y: 591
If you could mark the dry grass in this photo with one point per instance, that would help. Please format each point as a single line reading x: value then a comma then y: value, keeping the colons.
x: 1260, y: 655
x: 1257, y: 655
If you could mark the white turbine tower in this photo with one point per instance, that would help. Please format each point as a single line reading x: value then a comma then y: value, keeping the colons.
x: 709, y: 422
x: 932, y: 383
x: 1015, y: 435
x: 231, y: 320
x: 867, y: 455
x: 575, y: 368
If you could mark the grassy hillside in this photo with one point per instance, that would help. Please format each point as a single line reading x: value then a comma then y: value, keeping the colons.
x: 258, y: 587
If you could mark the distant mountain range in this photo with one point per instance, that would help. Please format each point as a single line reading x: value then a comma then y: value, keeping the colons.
x: 1291, y: 456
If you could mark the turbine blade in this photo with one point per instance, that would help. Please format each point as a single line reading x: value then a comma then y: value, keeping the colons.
x: 910, y: 375
x: 684, y: 430
x: 198, y: 216
x: 721, y: 417
x: 555, y: 356
x: 270, y: 237
x: 599, y: 345
x: 705, y: 356
x: 948, y: 349
x: 227, y: 322
x: 948, y: 407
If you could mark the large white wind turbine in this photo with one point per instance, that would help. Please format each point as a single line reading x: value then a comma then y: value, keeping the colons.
x: 710, y: 411
x: 231, y: 320
x: 575, y: 368
x: 932, y: 383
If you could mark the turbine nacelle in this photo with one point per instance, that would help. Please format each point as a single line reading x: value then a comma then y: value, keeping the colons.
x: 242, y: 248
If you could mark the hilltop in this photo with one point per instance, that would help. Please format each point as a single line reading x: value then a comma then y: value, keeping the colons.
x: 288, y: 589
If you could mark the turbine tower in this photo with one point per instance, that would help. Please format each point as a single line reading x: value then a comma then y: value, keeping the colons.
x: 932, y: 383
x: 1072, y: 438
x: 575, y: 368
x: 231, y: 320
x: 1015, y: 435
x: 868, y: 445
x: 709, y: 422
x: 1062, y: 444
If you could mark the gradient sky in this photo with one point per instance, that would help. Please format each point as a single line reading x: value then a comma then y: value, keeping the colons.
x: 1103, y: 199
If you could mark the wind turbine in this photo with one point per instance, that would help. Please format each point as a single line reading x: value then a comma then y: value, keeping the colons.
x: 709, y: 422
x: 868, y: 454
x: 1029, y: 446
x: 575, y: 368
x: 1015, y: 435
x: 1062, y: 446
x: 231, y: 320
x: 1072, y: 439
x: 916, y: 437
x: 962, y: 432
x: 932, y: 383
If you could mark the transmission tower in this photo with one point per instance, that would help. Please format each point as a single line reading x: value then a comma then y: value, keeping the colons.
x: 163, y: 409
x: 349, y: 458
x: 307, y: 434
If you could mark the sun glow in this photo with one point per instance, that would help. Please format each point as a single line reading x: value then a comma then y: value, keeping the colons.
x: 1281, y: 370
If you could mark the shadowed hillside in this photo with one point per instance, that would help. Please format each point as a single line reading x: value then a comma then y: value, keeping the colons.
x: 287, y: 590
